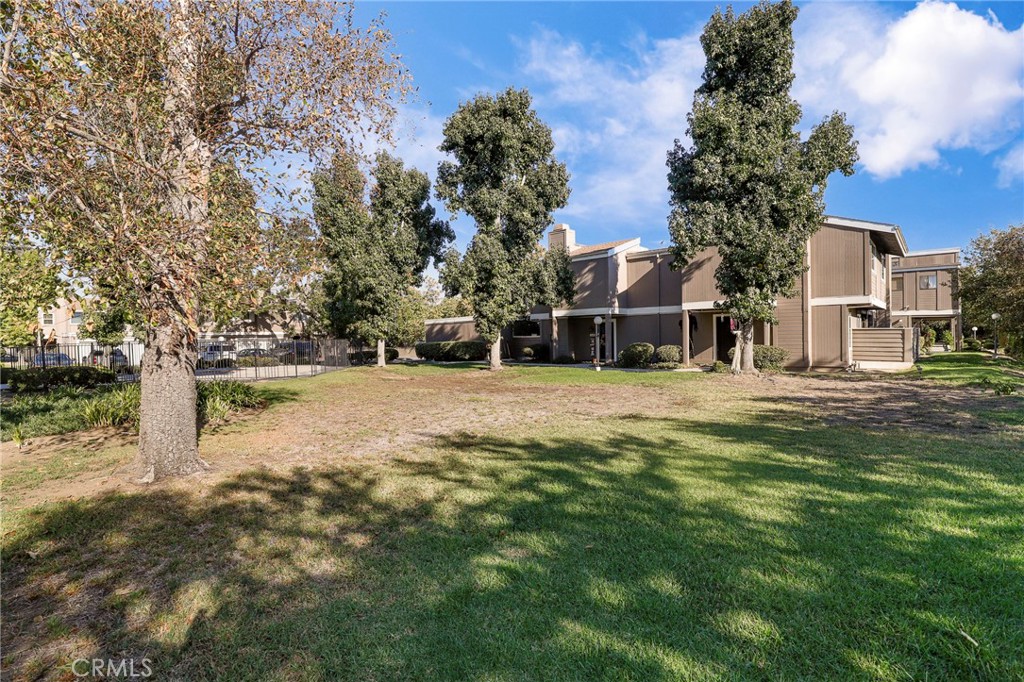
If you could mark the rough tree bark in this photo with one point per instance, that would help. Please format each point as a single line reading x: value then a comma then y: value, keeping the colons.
x: 743, y: 355
x: 496, y: 354
x: 381, y: 361
x: 168, y: 433
x: 168, y: 423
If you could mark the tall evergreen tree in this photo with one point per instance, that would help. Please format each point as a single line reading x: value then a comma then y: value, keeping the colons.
x: 748, y: 184
x: 376, y: 250
x: 506, y: 178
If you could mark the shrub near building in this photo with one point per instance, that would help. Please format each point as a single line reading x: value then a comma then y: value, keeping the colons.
x: 451, y: 351
x: 767, y: 358
x: 636, y: 355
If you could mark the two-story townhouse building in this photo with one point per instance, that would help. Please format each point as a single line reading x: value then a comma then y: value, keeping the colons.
x: 837, y: 318
x: 925, y: 289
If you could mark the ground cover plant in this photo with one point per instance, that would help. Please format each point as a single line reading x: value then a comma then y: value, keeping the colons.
x: 539, y: 523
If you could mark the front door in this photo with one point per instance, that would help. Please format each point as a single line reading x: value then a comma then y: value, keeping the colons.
x: 724, y: 337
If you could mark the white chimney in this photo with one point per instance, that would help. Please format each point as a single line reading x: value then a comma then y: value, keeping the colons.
x: 562, y: 235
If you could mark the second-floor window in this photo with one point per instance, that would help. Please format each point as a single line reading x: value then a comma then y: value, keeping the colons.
x: 895, y: 262
x: 525, y: 328
x: 47, y: 318
x: 928, y: 282
x: 76, y: 318
x: 897, y: 284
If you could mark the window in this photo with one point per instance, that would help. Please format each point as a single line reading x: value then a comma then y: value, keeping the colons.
x: 897, y: 284
x: 895, y: 262
x: 47, y: 318
x: 525, y: 328
x: 76, y: 318
x: 928, y: 282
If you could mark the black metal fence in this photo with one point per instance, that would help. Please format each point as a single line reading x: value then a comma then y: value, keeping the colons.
x: 249, y: 358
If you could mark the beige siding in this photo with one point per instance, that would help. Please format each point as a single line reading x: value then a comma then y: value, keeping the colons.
x: 925, y: 261
x: 452, y: 331
x: 946, y: 291
x: 789, y: 332
x: 703, y: 338
x: 591, y: 283
x: 671, y: 330
x: 827, y: 335
x: 882, y: 345
x: 838, y: 261
x: 636, y: 329
x: 698, y: 277
x: 643, y: 282
x: 670, y: 282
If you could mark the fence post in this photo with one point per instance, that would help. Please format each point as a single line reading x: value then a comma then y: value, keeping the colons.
x: 295, y: 356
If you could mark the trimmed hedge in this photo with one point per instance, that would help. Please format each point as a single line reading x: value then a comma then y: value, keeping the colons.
x: 636, y: 355
x: 364, y: 357
x: 258, y: 361
x: 668, y: 354
x: 540, y: 352
x: 46, y: 378
x: 766, y: 358
x: 973, y: 344
x: 565, y: 360
x: 451, y: 351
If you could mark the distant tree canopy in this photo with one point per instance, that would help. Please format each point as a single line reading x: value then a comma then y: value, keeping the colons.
x: 992, y: 281
x: 748, y: 185
x: 377, y: 248
x: 506, y: 178
x: 27, y: 283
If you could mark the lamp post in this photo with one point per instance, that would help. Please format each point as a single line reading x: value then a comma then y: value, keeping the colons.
x: 995, y: 335
x: 974, y: 331
x: 597, y: 342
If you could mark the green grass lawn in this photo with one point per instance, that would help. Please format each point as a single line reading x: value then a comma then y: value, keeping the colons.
x: 697, y: 530
x: 971, y: 368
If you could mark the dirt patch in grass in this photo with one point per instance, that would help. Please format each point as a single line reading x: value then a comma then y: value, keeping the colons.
x: 370, y: 415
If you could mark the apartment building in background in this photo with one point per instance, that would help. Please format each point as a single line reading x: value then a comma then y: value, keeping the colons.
x: 842, y: 315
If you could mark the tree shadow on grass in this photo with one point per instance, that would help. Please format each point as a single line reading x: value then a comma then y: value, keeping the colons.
x: 780, y: 548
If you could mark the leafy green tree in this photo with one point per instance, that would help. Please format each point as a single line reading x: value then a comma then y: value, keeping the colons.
x: 124, y: 126
x: 506, y: 178
x: 28, y: 283
x: 376, y: 251
x: 992, y: 281
x: 748, y: 184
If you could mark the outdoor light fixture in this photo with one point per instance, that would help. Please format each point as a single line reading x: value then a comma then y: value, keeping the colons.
x: 995, y: 335
x: 975, y: 331
x: 597, y: 342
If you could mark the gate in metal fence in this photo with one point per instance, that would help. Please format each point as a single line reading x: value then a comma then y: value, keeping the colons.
x: 250, y: 358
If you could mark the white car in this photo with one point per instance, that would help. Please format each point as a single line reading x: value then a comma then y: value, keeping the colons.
x: 218, y: 352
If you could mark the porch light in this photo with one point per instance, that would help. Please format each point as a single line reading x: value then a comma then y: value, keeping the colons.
x: 597, y: 342
x: 598, y: 320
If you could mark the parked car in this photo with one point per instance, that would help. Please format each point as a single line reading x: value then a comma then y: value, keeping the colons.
x: 254, y: 353
x: 117, y: 358
x: 8, y: 357
x: 52, y: 360
x: 286, y: 351
x: 218, y: 353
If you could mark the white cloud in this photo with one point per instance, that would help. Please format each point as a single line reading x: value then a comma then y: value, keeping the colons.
x: 937, y: 78
x: 614, y: 121
x: 1011, y: 166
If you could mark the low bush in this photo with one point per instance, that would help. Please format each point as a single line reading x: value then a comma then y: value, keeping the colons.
x: 668, y: 354
x: 767, y: 358
x: 998, y: 386
x: 947, y: 339
x: 46, y: 378
x: 973, y: 344
x: 636, y: 355
x: 254, y: 361
x: 720, y: 367
x: 222, y: 363
x: 451, y: 351
x: 541, y: 352
x: 365, y: 357
x: 565, y: 360
x: 214, y: 401
x: 663, y: 365
x: 528, y: 353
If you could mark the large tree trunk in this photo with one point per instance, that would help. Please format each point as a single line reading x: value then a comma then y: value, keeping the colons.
x: 743, y: 356
x: 168, y: 434
x: 381, y: 361
x: 496, y: 354
x: 168, y: 423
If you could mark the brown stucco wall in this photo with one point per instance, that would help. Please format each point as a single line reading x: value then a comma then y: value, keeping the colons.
x: 827, y: 336
x: 591, y: 283
x: 698, y: 277
x: 452, y: 331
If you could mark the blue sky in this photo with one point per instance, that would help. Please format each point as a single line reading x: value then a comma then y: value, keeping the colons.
x: 935, y: 91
